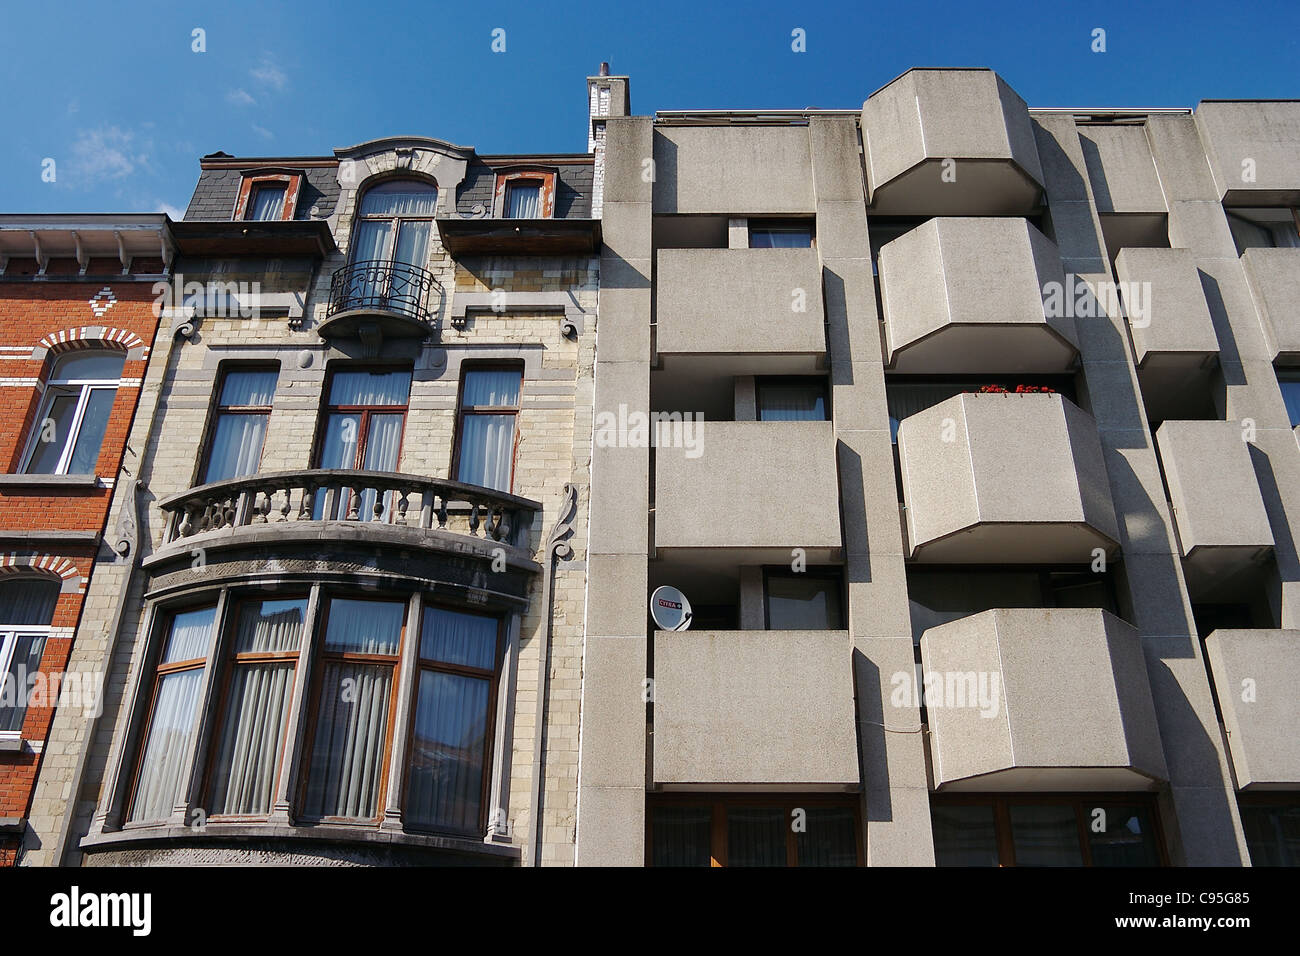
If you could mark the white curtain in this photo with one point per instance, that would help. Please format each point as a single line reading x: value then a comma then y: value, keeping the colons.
x: 495, y: 388
x: 28, y: 601
x: 524, y: 201
x: 486, y: 444
x: 236, y: 446
x: 364, y: 627
x: 400, y: 198
x: 454, y: 637
x: 171, y: 726
x: 348, y: 753
x: 383, y: 443
x: 370, y: 388
x: 448, y: 750
x: 267, y: 203
x: 252, y: 733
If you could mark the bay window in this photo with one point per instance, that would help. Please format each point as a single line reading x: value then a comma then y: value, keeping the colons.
x: 69, y: 429
x: 26, y: 609
x: 489, y: 405
x: 172, y: 724
x: 243, y: 410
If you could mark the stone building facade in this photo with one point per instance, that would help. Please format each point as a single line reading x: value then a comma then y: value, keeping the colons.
x: 76, y: 327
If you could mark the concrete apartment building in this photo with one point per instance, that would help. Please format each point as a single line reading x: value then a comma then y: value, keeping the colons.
x: 345, y: 622
x: 76, y: 327
x: 999, y: 406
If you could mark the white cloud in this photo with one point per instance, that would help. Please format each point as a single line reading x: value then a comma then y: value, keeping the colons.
x: 268, y: 74
x: 240, y: 97
x: 263, y: 132
x: 170, y: 210
x: 104, y: 154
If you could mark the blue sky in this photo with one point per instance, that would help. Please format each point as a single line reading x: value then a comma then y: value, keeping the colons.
x: 115, y: 95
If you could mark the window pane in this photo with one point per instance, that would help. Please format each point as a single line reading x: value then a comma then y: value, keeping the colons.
x: 267, y: 203
x: 964, y: 836
x: 524, y: 201
x: 780, y: 238
x: 29, y: 601
x: 53, y: 427
x: 249, y: 388
x: 252, y: 735
x: 756, y: 837
x: 364, y: 627
x: 90, y: 436
x: 15, y: 684
x: 1272, y: 834
x: 830, y: 838
x: 801, y: 602
x: 1045, y: 835
x: 1128, y: 838
x: 1291, y: 395
x: 448, y: 751
x: 270, y: 627
x: 681, y: 836
x: 190, y: 637
x: 236, y: 446
x: 791, y: 403
x: 486, y: 448
x: 98, y: 365
x: 453, y: 637
x: 494, y: 388
x: 412, y: 249
x: 405, y: 198
x: 167, y: 748
x: 370, y: 388
x: 350, y: 743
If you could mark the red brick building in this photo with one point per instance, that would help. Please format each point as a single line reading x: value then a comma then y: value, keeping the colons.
x: 77, y: 322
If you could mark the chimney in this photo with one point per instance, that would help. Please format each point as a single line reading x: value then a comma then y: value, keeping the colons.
x: 606, y: 96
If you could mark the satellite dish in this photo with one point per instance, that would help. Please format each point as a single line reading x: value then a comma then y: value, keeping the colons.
x: 670, y: 609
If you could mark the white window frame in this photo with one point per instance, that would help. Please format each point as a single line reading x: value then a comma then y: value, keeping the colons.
x: 53, y: 388
x: 9, y: 634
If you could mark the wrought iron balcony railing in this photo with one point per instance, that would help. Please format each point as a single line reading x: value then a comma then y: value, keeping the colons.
x: 348, y: 497
x: 381, y: 285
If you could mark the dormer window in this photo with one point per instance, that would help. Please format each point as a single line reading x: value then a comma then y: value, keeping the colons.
x: 525, y: 194
x: 268, y: 196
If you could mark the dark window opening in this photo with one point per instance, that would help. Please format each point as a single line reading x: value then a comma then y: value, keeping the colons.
x: 780, y: 234
x: 778, y: 830
x: 792, y: 399
x: 811, y: 600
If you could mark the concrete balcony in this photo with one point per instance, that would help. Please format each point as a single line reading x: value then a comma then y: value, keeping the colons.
x: 1168, y: 318
x: 1005, y: 479
x: 1253, y: 149
x: 1040, y: 699
x: 975, y: 295
x: 1274, y: 276
x: 1219, y: 513
x: 1256, y: 673
x: 756, y: 311
x: 757, y: 487
x: 950, y: 142
x: 761, y: 708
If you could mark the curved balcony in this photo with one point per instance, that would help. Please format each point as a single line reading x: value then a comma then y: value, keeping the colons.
x: 281, y: 517
x: 379, y: 297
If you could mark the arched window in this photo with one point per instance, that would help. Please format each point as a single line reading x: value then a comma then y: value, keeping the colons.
x: 26, y: 609
x: 394, y: 222
x: 67, y: 434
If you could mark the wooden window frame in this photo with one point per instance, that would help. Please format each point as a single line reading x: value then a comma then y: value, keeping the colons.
x: 229, y: 661
x: 323, y: 658
x: 825, y: 572
x: 292, y: 183
x: 363, y: 428
x: 218, y: 410
x: 540, y: 174
x: 1081, y: 803
x: 394, y: 236
x: 718, y: 804
x: 162, y: 633
x: 494, y: 678
x: 462, y: 410
x: 818, y: 382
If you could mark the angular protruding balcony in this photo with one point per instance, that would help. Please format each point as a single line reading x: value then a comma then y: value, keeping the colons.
x: 379, y: 298
x: 976, y: 295
x: 1256, y: 673
x: 1253, y: 148
x: 1005, y: 479
x: 769, y: 487
x: 950, y: 142
x: 280, y: 513
x: 741, y: 311
x: 1219, y: 512
x: 1040, y: 699
x: 1167, y: 314
x: 713, y: 728
x: 1274, y: 277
